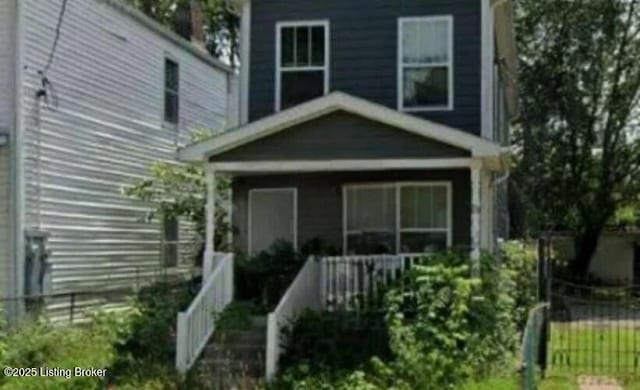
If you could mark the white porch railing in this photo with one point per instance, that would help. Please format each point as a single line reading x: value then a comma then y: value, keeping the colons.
x: 301, y: 295
x: 331, y: 283
x: 351, y: 282
x: 197, y: 323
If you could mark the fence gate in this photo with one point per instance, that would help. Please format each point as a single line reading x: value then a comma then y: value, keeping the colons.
x: 594, y: 328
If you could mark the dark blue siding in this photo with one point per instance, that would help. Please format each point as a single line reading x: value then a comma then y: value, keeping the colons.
x: 364, y: 36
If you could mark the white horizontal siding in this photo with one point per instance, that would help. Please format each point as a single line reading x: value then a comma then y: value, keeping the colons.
x: 7, y: 37
x: 6, y: 269
x: 106, y: 132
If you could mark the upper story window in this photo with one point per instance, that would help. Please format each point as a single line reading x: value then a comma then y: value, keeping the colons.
x: 171, y: 87
x: 425, y: 63
x: 302, y: 55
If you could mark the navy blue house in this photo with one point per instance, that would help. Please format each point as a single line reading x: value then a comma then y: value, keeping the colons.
x: 372, y: 126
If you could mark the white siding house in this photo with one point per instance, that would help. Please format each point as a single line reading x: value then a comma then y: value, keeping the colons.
x: 99, y: 129
x: 7, y: 39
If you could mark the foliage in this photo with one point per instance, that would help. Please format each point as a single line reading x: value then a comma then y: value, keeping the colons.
x: 445, y: 329
x: 41, y: 344
x: 179, y: 190
x: 221, y: 27
x: 320, y: 340
x: 579, y: 157
x: 458, y: 326
x: 520, y: 260
x: 149, y: 345
x: 265, y: 277
x: 136, y: 345
x: 236, y: 316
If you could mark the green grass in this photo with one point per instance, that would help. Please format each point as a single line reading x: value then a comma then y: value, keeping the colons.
x: 498, y: 383
x: 594, y: 349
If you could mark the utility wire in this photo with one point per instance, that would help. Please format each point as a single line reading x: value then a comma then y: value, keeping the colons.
x: 52, y: 53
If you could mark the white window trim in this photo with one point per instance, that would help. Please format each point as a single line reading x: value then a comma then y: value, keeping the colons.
x: 279, y: 70
x: 294, y: 190
x: 398, y: 187
x: 402, y: 66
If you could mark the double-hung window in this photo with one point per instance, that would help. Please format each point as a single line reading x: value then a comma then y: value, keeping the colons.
x: 302, y: 62
x: 425, y: 62
x: 171, y: 89
x: 397, y: 218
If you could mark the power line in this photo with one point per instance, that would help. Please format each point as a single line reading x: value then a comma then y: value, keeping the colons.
x: 52, y: 53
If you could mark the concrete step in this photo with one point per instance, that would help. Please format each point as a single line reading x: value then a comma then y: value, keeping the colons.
x: 235, y: 351
x: 248, y: 337
x: 252, y: 368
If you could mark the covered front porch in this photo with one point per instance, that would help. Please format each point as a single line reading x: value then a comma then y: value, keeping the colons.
x: 375, y: 188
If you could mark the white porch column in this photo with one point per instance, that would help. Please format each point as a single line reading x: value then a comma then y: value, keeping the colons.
x: 476, y: 209
x: 210, y: 211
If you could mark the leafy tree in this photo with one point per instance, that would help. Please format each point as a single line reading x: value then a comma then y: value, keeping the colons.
x: 180, y: 190
x: 580, y: 82
x: 221, y: 27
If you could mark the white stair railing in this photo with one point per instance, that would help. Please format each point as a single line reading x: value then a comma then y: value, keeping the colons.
x: 302, y: 294
x: 196, y: 324
x: 348, y: 282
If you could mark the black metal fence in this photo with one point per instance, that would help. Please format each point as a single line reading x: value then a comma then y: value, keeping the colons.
x: 595, y: 329
x: 69, y: 307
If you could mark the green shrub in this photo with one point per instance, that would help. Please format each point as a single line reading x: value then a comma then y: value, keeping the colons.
x: 520, y: 259
x: 447, y: 327
x: 263, y: 278
x: 335, y: 341
x: 41, y: 344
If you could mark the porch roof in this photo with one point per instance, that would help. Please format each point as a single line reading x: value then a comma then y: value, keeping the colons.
x: 334, y: 102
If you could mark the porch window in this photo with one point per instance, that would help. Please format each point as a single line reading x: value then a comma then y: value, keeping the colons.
x: 397, y: 218
x: 425, y: 63
x: 302, y: 62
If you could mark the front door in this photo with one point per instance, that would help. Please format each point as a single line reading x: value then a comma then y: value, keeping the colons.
x: 272, y: 217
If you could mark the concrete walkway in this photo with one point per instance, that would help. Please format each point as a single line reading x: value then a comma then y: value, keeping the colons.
x: 598, y: 383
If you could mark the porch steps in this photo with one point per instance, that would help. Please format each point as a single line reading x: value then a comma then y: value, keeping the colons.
x: 234, y: 359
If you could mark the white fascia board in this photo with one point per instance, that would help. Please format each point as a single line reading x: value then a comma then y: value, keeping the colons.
x: 334, y: 102
x: 338, y: 165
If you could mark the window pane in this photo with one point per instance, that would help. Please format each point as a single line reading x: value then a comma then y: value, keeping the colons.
x: 423, y: 242
x: 439, y: 207
x: 171, y: 236
x: 423, y: 207
x: 286, y: 47
x: 426, y: 87
x: 317, y: 46
x: 302, y: 46
x: 299, y: 87
x: 371, y: 214
x: 171, y: 107
x: 171, y: 75
x: 425, y: 42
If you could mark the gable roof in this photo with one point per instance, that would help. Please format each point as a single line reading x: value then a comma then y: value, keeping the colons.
x: 337, y: 101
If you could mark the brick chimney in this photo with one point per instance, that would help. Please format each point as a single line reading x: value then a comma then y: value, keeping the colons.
x: 197, y: 23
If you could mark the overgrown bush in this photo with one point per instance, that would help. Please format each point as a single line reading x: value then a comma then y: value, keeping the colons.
x: 263, y: 278
x: 136, y: 345
x: 335, y: 341
x: 520, y: 260
x: 41, y: 344
x: 446, y: 326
